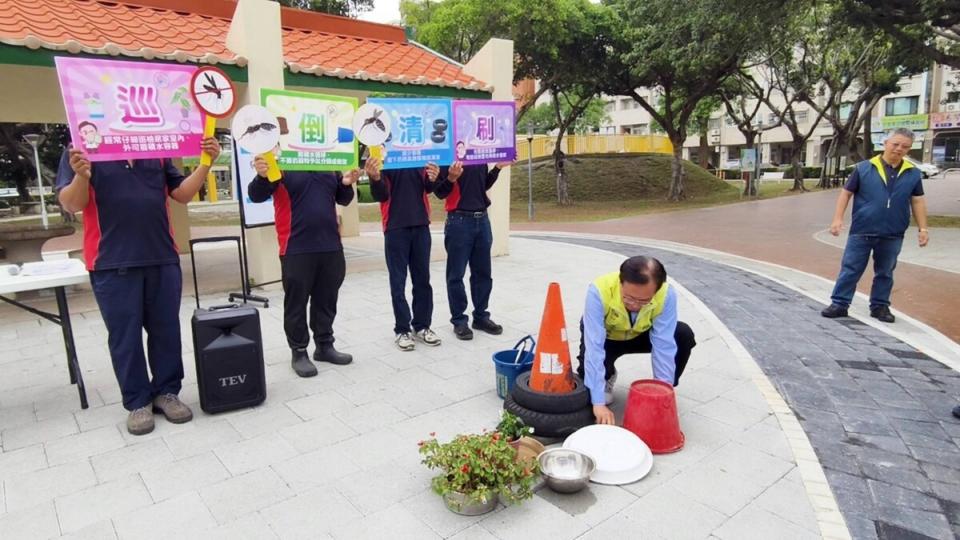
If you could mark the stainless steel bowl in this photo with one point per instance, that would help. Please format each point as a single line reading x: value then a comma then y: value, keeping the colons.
x: 566, y: 471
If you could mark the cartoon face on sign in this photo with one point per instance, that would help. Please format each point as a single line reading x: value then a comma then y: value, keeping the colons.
x: 90, y: 134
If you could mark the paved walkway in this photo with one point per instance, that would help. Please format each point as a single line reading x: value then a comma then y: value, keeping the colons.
x: 875, y: 408
x: 335, y: 456
x: 782, y: 230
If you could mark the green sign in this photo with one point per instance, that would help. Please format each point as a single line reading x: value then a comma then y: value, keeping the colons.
x: 909, y: 121
x: 316, y: 130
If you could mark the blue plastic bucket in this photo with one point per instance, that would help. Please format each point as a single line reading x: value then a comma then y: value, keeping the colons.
x: 511, y: 363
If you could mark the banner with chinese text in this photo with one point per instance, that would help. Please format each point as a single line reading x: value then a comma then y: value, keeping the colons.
x: 419, y: 132
x: 484, y: 131
x: 129, y: 110
x: 316, y: 132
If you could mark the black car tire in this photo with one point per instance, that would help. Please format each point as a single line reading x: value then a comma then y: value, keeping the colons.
x: 551, y: 425
x: 550, y: 403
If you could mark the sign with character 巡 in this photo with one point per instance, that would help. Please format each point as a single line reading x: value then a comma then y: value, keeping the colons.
x: 130, y: 110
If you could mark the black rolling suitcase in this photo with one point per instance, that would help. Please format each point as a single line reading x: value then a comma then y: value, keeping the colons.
x: 228, y: 349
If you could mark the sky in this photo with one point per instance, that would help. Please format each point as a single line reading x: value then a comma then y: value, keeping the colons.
x: 384, y: 11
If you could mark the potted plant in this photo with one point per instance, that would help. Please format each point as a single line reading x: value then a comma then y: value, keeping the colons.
x: 475, y: 469
x: 513, y: 428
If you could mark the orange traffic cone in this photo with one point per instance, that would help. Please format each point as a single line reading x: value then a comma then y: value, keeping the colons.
x: 551, y: 371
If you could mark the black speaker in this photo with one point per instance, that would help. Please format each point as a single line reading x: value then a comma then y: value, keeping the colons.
x: 228, y: 351
x: 227, y: 348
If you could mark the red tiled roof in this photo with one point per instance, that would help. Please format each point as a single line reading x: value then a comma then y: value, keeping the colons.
x: 192, y: 31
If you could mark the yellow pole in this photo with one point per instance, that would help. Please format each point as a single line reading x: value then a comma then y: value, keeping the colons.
x: 211, y: 187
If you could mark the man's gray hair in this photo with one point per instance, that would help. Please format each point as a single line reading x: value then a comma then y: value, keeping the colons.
x: 905, y: 132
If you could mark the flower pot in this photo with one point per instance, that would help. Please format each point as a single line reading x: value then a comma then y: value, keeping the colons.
x: 515, y: 443
x: 459, y: 503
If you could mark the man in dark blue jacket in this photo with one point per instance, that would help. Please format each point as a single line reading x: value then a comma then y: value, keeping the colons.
x: 884, y: 189
x: 405, y: 208
x: 468, y: 239
x: 312, y: 264
x: 134, y: 269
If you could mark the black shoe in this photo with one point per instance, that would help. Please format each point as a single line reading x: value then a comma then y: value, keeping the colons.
x: 326, y: 353
x: 488, y: 326
x: 833, y: 311
x: 463, y: 332
x: 956, y: 411
x: 301, y: 363
x: 882, y: 314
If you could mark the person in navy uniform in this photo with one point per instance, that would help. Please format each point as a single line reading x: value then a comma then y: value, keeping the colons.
x: 405, y: 208
x: 134, y: 267
x: 468, y: 240
x: 312, y: 264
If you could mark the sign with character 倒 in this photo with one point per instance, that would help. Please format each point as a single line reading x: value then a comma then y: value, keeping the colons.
x: 484, y: 131
x: 129, y: 110
x: 316, y: 132
x: 419, y: 131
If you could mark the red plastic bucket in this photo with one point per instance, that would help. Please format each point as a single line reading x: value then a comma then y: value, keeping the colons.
x: 651, y: 414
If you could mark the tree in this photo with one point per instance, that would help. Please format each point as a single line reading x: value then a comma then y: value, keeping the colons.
x: 344, y: 8
x: 544, y: 118
x: 565, y: 45
x: 457, y: 28
x: 16, y: 156
x: 860, y: 66
x: 742, y: 96
x: 928, y: 28
x: 685, y: 49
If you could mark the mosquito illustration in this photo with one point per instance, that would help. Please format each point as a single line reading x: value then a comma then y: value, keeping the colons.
x: 265, y: 126
x: 374, y: 121
x: 211, y: 86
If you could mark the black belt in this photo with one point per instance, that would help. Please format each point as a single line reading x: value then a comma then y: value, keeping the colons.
x: 471, y: 214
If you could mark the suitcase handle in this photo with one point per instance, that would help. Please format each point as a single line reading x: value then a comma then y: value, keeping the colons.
x: 193, y: 262
x: 223, y: 306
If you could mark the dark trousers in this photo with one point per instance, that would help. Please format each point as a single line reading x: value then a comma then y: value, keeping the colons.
x: 468, y: 239
x: 313, y: 277
x: 132, y: 300
x: 855, y: 257
x: 409, y: 247
x: 613, y: 350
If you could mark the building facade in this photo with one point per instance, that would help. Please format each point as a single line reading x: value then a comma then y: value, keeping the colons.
x: 928, y: 103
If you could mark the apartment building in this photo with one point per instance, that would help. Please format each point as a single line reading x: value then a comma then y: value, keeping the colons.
x: 928, y: 103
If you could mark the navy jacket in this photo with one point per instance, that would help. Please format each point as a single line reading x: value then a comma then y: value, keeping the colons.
x: 882, y: 195
x: 304, y: 209
x: 469, y: 192
x: 402, y: 194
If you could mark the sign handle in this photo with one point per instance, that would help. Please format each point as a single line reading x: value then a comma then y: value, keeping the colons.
x: 376, y: 152
x: 209, y: 126
x: 273, y: 171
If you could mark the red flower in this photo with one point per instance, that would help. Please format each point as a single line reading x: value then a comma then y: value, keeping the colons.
x: 465, y: 469
x: 496, y: 436
x: 421, y: 443
x: 433, y: 433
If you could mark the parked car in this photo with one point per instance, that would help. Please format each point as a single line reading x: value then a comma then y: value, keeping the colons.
x: 927, y: 169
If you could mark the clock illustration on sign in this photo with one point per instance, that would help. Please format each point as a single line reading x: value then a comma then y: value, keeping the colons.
x: 213, y: 91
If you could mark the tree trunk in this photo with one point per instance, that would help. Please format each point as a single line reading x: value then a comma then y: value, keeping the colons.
x: 750, y: 186
x: 867, y: 139
x: 676, y: 170
x: 704, y: 150
x: 824, y: 170
x: 797, y: 166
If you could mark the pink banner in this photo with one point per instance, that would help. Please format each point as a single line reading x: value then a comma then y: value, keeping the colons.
x: 130, y: 110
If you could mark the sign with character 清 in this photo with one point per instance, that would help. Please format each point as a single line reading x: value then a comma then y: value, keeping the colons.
x: 419, y: 131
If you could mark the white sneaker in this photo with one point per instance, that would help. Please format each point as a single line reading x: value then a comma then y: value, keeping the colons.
x: 405, y: 342
x: 608, y: 389
x: 428, y: 337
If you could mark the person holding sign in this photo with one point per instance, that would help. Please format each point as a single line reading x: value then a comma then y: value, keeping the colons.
x: 468, y: 239
x: 311, y: 255
x: 402, y: 194
x: 135, y: 270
